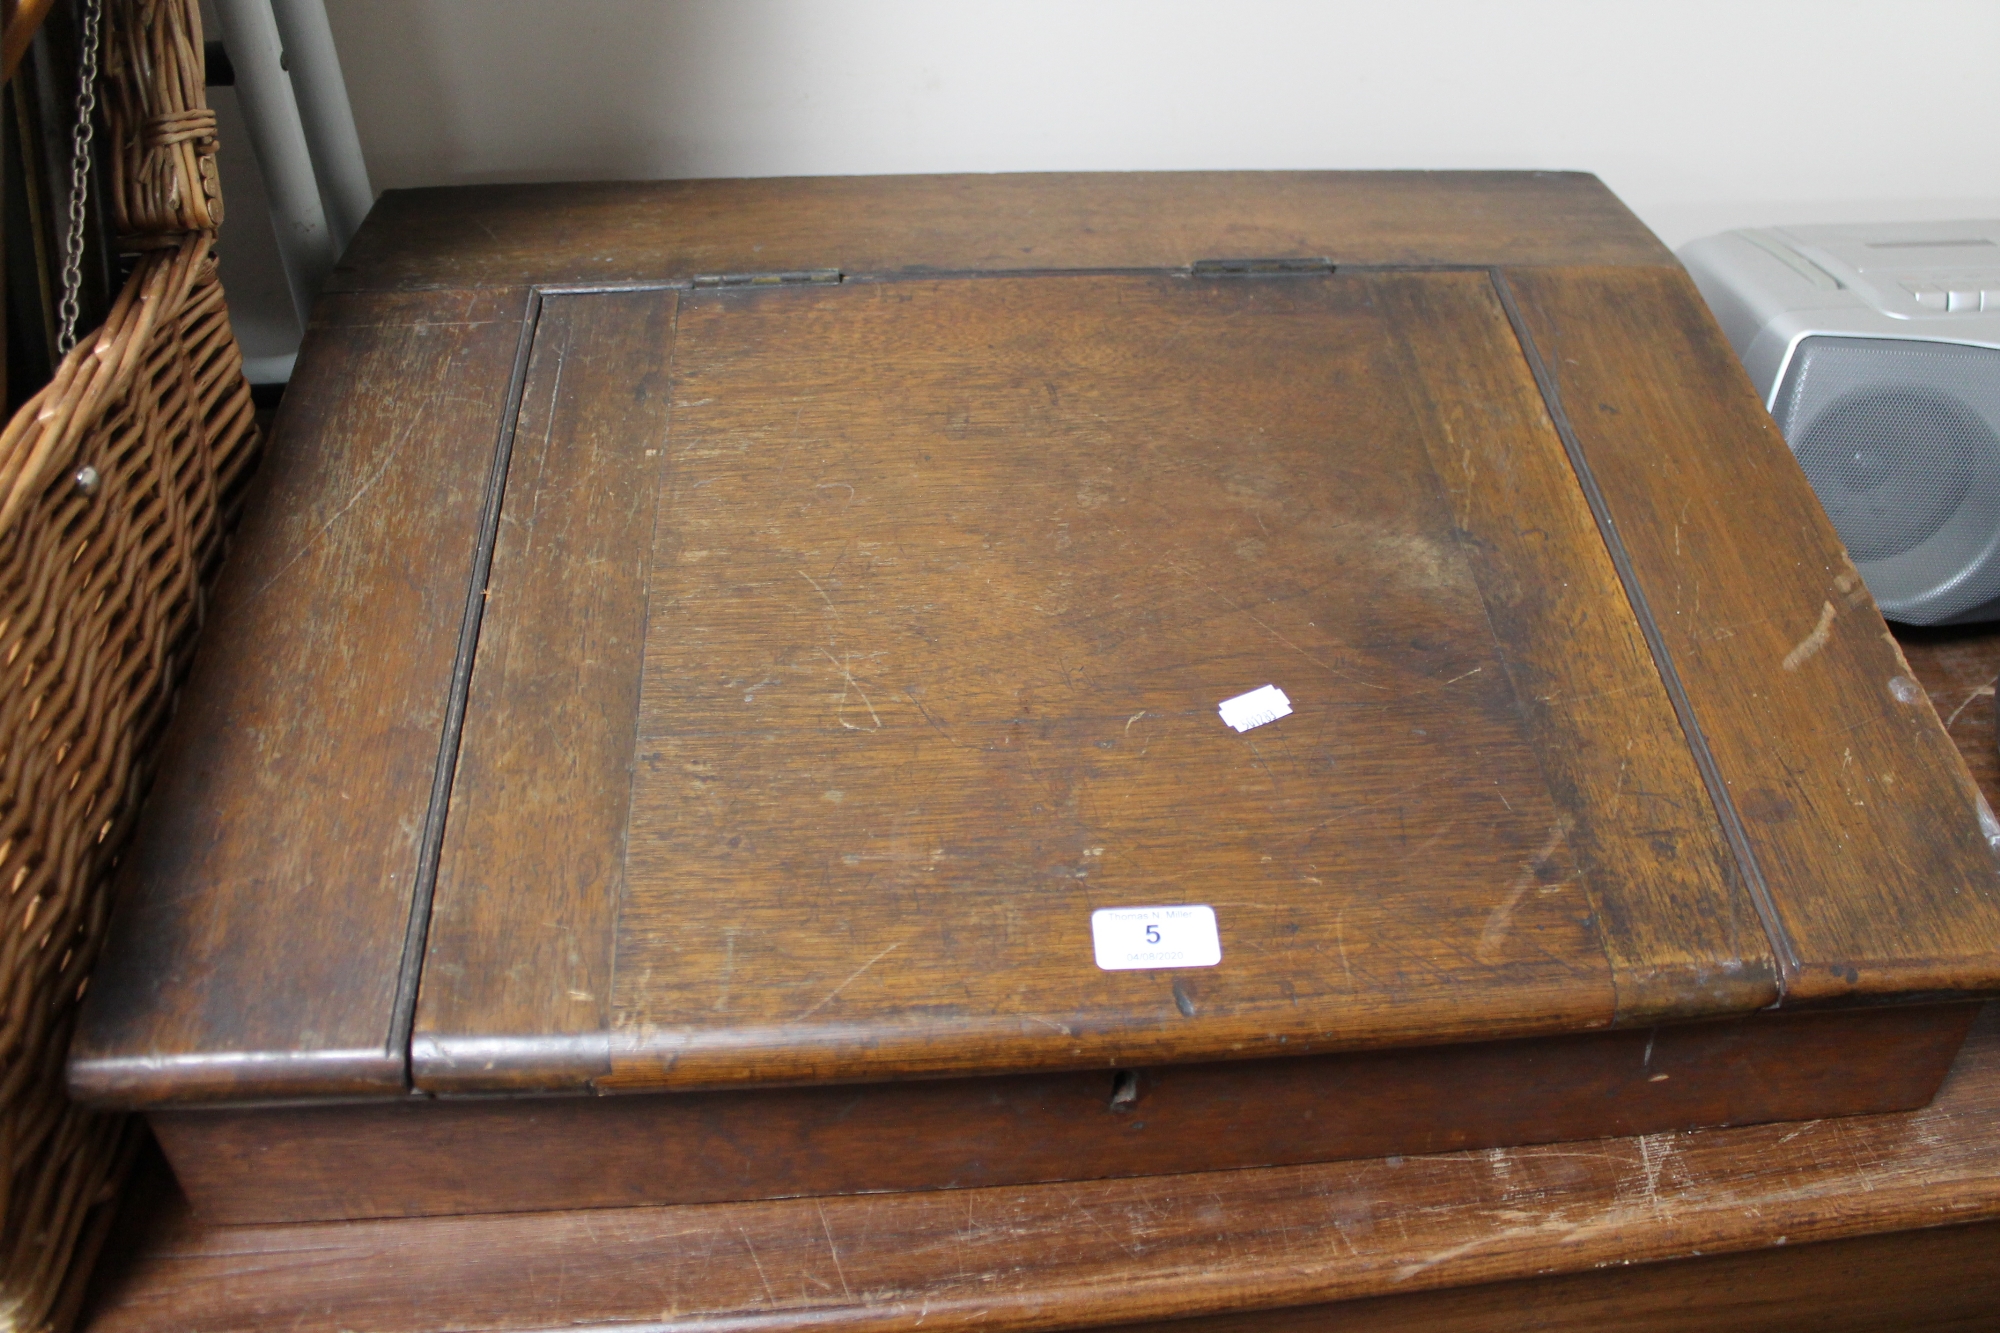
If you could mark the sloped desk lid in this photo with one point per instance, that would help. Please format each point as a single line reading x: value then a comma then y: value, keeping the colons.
x: 838, y: 646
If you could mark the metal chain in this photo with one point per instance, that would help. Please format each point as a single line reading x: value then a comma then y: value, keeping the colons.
x: 79, y: 177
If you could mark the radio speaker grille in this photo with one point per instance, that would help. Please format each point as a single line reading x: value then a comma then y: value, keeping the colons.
x: 1901, y: 441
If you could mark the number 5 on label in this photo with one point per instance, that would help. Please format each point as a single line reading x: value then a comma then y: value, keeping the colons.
x: 1144, y: 937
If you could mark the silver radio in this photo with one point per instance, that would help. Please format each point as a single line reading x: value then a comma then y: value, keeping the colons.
x: 1877, y: 349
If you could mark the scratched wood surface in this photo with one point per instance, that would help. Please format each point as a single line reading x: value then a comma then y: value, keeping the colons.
x: 1754, y: 1200
x: 943, y: 578
x: 1681, y: 932
x: 1097, y: 1254
x: 1937, y: 1281
x: 949, y: 581
x: 532, y: 866
x: 1857, y: 810
x: 266, y: 896
x: 1052, y: 566
x: 262, y: 957
x: 630, y: 231
x: 1959, y: 667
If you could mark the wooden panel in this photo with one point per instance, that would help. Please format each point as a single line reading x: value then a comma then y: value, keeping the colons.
x: 1959, y: 667
x: 1937, y: 1281
x: 949, y: 581
x: 1682, y: 934
x: 266, y: 898
x: 511, y: 1154
x: 531, y: 871
x: 1854, y: 801
x: 1081, y: 1255
x: 673, y: 230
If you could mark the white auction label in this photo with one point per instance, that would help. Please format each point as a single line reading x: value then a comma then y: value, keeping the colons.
x: 1266, y: 703
x: 1129, y: 937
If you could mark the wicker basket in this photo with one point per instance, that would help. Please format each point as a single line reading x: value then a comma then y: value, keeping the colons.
x: 116, y: 482
x: 162, y: 133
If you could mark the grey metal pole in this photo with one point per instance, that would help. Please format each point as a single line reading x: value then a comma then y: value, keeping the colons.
x: 271, y: 115
x: 314, y: 65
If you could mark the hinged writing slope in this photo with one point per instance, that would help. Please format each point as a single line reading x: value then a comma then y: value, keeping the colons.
x: 981, y: 551
x: 817, y: 708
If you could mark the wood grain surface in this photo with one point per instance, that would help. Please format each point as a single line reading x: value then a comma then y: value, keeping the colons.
x: 1857, y: 809
x: 265, y: 900
x: 517, y: 976
x: 917, y: 621
x: 418, y: 1157
x: 949, y: 580
x: 1033, y: 537
x: 673, y: 231
x: 1959, y: 666
x: 1116, y: 1252
x: 1682, y: 935
x: 1942, y: 1280
x: 259, y: 957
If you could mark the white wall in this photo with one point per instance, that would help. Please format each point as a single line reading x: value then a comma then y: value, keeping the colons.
x: 1701, y: 114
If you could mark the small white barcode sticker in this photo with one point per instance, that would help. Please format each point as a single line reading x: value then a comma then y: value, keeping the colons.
x: 1129, y: 937
x: 1265, y: 704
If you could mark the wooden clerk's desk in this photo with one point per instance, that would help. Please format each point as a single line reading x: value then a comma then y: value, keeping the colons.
x: 838, y: 623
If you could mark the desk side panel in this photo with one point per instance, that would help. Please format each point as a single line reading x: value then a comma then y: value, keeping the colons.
x: 263, y: 907
x: 629, y: 231
x: 1856, y: 806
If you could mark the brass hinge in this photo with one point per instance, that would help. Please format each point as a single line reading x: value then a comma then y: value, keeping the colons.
x: 788, y: 278
x: 1259, y: 268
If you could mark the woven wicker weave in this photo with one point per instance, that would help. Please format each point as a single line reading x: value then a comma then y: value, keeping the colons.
x: 158, y: 118
x: 115, y: 485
